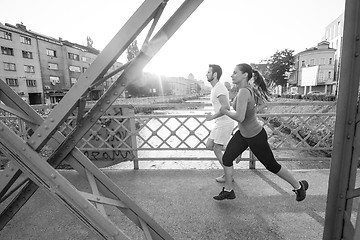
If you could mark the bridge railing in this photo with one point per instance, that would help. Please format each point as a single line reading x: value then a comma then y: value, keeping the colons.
x: 121, y: 135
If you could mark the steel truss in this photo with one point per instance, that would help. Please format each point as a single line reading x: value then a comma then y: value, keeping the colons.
x: 27, y: 162
x: 346, y: 149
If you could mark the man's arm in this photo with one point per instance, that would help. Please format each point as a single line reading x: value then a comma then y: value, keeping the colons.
x: 224, y: 101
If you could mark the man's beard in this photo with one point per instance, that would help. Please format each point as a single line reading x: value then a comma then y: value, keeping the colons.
x: 209, y: 80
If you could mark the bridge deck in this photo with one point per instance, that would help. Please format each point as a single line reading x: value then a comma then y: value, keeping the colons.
x: 180, y: 200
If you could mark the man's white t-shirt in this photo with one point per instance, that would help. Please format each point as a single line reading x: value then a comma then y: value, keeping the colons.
x: 216, y: 91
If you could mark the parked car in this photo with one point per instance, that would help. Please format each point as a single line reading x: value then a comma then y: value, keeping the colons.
x: 315, y: 93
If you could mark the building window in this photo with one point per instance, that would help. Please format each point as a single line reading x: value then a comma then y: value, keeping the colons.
x: 51, y: 53
x: 5, y: 35
x: 12, y: 82
x: 9, y: 66
x: 27, y: 54
x: 73, y: 80
x: 25, y: 40
x: 53, y: 66
x: 85, y: 59
x: 29, y: 69
x: 74, y: 69
x: 312, y: 62
x: 330, y: 61
x: 322, y: 61
x: 30, y: 83
x: 54, y: 80
x: 321, y: 76
x: 329, y: 75
x: 74, y: 56
x: 84, y: 69
x: 7, y: 51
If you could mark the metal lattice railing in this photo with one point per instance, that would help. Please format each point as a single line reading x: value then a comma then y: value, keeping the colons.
x: 120, y: 135
x: 175, y: 132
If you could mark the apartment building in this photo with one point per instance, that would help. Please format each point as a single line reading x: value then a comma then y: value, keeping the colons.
x: 182, y: 86
x: 318, y: 68
x: 20, y: 66
x: 314, y: 70
x: 334, y: 35
x: 42, y: 69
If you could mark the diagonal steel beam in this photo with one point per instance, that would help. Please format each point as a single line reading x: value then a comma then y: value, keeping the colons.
x: 97, y: 70
x: 39, y: 171
x: 129, y: 74
x: 55, y: 184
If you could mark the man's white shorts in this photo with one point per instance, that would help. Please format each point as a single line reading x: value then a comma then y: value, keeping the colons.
x: 222, y: 133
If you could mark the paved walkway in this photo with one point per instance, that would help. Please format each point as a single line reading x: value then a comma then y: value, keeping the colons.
x: 180, y: 200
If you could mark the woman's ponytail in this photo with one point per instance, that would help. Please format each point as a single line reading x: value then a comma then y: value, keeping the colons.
x: 263, y: 92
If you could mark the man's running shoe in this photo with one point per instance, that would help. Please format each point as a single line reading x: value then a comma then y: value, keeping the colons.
x: 221, y: 179
x: 225, y: 195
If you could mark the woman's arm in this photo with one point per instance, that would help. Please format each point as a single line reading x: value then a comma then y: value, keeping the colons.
x: 241, y: 105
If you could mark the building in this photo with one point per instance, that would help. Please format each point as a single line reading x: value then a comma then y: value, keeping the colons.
x: 20, y: 67
x: 314, y: 70
x: 181, y: 86
x: 334, y: 35
x: 42, y: 69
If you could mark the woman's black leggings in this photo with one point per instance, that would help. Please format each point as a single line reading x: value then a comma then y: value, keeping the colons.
x: 259, y: 146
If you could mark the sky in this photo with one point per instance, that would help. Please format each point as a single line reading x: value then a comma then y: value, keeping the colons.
x: 224, y: 32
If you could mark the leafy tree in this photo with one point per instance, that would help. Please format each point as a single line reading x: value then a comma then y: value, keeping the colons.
x: 191, y: 76
x: 279, y: 66
x: 135, y: 88
x: 132, y: 51
x: 89, y: 42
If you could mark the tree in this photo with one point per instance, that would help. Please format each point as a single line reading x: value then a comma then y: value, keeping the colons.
x: 191, y: 76
x: 279, y: 66
x: 89, y: 42
x: 135, y: 88
x: 132, y: 51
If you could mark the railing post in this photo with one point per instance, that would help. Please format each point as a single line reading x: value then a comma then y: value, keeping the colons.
x: 134, y: 133
x: 252, y: 160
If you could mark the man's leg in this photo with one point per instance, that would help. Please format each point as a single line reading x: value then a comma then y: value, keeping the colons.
x: 218, y: 150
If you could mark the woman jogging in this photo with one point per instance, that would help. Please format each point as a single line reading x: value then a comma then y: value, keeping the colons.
x: 251, y: 133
